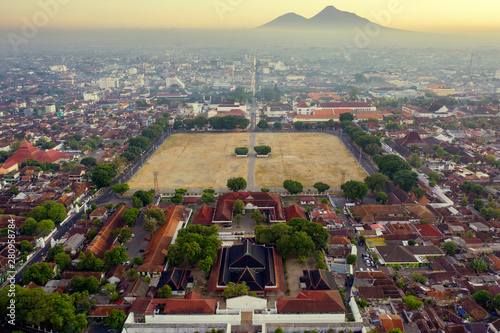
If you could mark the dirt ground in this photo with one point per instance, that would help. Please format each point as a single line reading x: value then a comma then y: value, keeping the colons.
x: 194, y: 161
x: 294, y: 271
x: 304, y: 157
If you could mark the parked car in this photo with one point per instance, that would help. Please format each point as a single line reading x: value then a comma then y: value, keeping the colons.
x: 142, y: 250
x: 227, y: 226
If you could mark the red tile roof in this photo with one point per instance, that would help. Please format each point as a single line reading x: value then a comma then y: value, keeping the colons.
x: 428, y: 230
x: 312, y: 301
x: 103, y: 241
x: 204, y: 215
x: 392, y: 321
x: 294, y: 211
x: 224, y: 210
x: 154, y: 257
x: 27, y: 151
x: 186, y: 306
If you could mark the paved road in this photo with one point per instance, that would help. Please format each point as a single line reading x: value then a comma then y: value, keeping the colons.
x: 251, y: 164
x: 38, y: 257
x: 365, y: 161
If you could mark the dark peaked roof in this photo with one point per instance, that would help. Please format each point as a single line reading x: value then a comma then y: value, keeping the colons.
x: 176, y: 278
x: 396, y: 254
x: 249, y: 263
x: 412, y: 138
x: 318, y: 279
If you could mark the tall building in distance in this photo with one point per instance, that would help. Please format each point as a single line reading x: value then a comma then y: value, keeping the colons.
x: 107, y: 83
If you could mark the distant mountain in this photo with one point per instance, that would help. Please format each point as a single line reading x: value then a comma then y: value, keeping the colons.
x: 287, y: 21
x: 329, y: 18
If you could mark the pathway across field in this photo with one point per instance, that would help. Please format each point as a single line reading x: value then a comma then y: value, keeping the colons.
x: 206, y: 160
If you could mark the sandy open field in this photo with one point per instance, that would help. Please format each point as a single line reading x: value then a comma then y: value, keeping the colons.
x: 304, y: 157
x: 206, y: 161
x: 194, y: 161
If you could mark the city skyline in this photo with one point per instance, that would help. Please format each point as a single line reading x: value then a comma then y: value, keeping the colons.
x: 445, y: 16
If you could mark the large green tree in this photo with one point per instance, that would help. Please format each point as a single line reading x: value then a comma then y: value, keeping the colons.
x: 103, y: 174
x: 237, y: 184
x: 406, y: 179
x: 450, y: 248
x: 355, y: 190
x: 89, y: 262
x: 262, y: 150
x: 390, y: 164
x: 376, y: 182
x: 116, y: 256
x: 382, y: 198
x: 165, y: 292
x: 292, y: 186
x: 321, y: 187
x: 120, y: 189
x: 39, y: 273
x: 51, y: 311
x: 115, y: 319
x: 130, y: 215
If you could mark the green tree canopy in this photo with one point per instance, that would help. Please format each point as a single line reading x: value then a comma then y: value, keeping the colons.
x: 44, y: 227
x: 262, y: 150
x: 352, y: 259
x: 412, y: 302
x: 355, y: 190
x: 39, y: 273
x: 89, y: 263
x: 262, y: 124
x: 321, y: 187
x: 29, y: 227
x: 130, y: 215
x: 103, y: 174
x: 382, y: 198
x: 237, y: 184
x: 52, y: 311
x: 292, y: 186
x: 146, y: 197
x: 482, y: 297
x: 238, y: 206
x: 450, y: 248
x: 406, y: 179
x: 88, y: 161
x: 233, y: 290
x: 479, y: 265
x: 165, y: 292
x: 120, y: 189
x: 346, y: 117
x: 241, y: 150
x: 376, y: 182
x: 115, y: 319
x: 390, y: 164
x: 207, y: 198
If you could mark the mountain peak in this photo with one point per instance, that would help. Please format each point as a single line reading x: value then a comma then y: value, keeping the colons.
x: 327, y: 19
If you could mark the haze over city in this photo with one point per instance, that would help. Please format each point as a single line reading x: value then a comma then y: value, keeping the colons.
x: 422, y: 15
x: 249, y: 166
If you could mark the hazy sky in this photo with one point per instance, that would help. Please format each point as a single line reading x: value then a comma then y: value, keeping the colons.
x: 419, y: 15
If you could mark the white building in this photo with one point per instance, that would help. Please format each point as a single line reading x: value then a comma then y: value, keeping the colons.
x: 174, y: 81
x: 58, y: 68
x: 132, y: 71
x: 90, y: 96
x: 106, y: 83
x: 50, y: 109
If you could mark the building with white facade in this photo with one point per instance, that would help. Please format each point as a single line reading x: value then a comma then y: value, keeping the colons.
x: 174, y: 81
